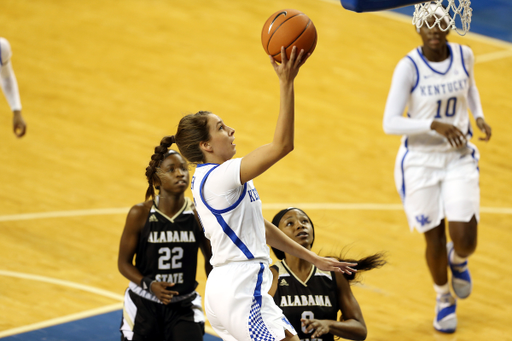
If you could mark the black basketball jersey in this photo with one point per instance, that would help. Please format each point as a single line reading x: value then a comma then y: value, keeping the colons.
x: 316, y: 298
x: 167, y: 250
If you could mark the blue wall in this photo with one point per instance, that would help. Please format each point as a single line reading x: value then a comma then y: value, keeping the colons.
x: 491, y: 18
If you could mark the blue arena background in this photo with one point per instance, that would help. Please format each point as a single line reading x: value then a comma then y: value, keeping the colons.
x: 490, y: 18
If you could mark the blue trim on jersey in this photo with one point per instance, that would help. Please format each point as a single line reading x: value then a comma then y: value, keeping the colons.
x: 257, y: 290
x: 217, y: 213
x: 417, y: 74
x: 474, y: 158
x: 402, y: 168
x: 214, y: 211
x: 430, y: 67
x: 470, y: 131
x: 462, y: 59
x: 206, y: 164
x: 234, y: 238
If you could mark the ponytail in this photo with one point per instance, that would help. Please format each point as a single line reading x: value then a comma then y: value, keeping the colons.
x: 364, y: 264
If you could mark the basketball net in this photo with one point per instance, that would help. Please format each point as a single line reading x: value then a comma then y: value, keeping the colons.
x: 459, y: 19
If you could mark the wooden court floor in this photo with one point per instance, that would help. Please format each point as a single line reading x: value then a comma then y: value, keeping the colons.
x: 103, y: 81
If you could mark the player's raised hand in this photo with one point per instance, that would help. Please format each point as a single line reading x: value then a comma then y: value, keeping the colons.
x: 289, y: 68
x: 162, y: 292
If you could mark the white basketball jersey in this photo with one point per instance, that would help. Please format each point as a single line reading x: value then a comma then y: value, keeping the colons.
x: 440, y: 95
x: 237, y: 232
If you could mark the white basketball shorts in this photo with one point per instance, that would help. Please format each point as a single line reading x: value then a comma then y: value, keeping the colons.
x: 438, y: 185
x: 238, y: 305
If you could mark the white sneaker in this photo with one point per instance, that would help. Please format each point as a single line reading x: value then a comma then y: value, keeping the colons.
x: 445, y: 320
x: 461, y: 278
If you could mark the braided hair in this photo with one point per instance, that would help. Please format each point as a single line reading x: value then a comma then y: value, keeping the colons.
x: 162, y: 151
x: 364, y: 264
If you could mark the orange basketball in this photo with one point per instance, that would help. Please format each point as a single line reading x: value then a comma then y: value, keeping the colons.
x: 288, y: 28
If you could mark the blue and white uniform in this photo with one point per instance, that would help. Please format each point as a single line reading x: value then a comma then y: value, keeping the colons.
x: 8, y: 81
x: 237, y: 302
x: 434, y: 179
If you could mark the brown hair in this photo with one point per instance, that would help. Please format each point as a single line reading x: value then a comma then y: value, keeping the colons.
x: 161, y: 152
x: 192, y: 130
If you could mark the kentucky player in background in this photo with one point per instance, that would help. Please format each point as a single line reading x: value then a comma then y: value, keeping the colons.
x: 9, y: 86
x: 164, y: 236
x: 436, y: 170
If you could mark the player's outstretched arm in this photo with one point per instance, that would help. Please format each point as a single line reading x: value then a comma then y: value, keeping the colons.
x: 276, y: 238
x: 261, y: 159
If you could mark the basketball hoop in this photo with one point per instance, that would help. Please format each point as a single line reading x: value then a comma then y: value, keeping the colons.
x: 457, y: 14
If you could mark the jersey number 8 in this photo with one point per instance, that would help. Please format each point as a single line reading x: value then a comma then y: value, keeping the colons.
x: 306, y: 315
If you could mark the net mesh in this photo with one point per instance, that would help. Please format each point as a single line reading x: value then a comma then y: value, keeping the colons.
x: 457, y: 13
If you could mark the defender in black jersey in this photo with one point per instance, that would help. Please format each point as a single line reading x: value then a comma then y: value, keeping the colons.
x: 311, y: 298
x: 164, y: 236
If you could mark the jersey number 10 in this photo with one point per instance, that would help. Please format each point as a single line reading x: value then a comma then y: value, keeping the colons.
x: 451, y: 104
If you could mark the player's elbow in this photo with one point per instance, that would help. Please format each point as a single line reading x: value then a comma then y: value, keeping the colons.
x: 362, y: 333
x: 288, y: 148
x: 388, y: 128
x: 122, y: 266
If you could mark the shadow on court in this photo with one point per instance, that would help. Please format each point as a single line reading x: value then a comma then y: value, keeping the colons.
x: 104, y: 327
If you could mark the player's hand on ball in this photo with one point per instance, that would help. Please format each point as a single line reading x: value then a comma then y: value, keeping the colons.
x: 162, y: 292
x: 288, y: 69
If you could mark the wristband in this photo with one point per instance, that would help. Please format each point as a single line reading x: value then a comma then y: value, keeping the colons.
x: 145, y: 283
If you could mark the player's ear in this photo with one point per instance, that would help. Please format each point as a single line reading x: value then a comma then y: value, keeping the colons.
x: 205, y: 146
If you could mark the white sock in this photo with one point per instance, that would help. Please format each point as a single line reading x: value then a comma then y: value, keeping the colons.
x: 456, y: 259
x: 442, y: 289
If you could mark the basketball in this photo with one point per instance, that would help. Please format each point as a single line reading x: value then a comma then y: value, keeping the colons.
x: 288, y: 28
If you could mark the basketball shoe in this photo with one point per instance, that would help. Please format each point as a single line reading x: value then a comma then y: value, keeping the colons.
x: 461, y: 278
x: 445, y: 320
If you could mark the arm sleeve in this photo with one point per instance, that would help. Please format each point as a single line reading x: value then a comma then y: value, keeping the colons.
x: 8, y: 81
x: 473, y: 95
x: 394, y: 123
